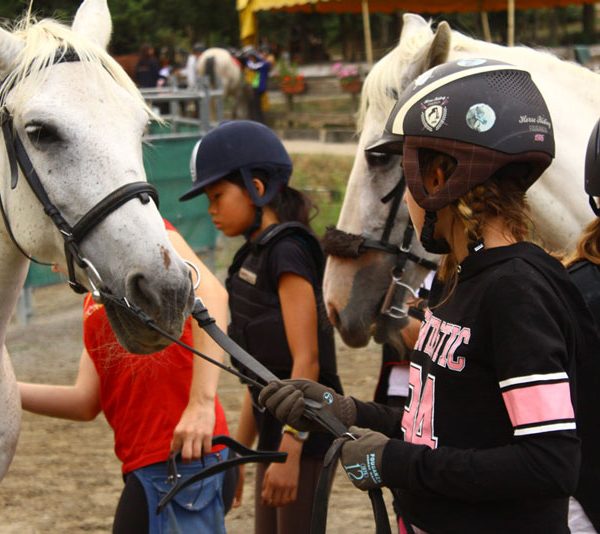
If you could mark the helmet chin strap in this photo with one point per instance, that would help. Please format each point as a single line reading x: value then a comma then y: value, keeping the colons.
x: 441, y: 246
x: 258, y: 213
x: 257, y: 200
x: 430, y: 244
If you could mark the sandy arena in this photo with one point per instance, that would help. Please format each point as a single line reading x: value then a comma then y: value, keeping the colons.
x: 65, y: 477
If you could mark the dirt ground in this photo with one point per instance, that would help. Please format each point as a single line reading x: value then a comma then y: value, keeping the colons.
x: 65, y: 477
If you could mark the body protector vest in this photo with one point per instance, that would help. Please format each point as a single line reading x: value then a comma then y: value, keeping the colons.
x: 586, y: 276
x: 256, y: 318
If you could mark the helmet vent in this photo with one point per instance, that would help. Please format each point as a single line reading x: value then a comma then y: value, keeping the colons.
x: 515, y: 85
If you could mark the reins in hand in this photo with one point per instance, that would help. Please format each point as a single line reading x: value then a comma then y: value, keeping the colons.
x: 313, y: 409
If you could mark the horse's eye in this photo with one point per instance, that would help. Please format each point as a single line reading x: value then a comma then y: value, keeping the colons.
x: 378, y: 159
x: 41, y: 134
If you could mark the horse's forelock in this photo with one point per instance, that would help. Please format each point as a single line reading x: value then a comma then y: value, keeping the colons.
x: 46, y: 41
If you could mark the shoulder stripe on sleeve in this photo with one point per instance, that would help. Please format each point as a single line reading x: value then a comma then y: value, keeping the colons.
x: 539, y: 406
x: 533, y: 378
x: 545, y: 428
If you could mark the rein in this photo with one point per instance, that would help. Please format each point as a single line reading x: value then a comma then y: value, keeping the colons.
x: 243, y: 455
x: 313, y: 409
x: 74, y: 235
x: 345, y: 245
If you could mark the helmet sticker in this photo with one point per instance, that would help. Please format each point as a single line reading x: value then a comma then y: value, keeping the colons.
x: 433, y: 113
x: 470, y: 62
x: 480, y: 117
x: 423, y: 78
x: 536, y: 124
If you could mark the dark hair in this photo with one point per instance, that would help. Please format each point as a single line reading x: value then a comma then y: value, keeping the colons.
x: 289, y: 204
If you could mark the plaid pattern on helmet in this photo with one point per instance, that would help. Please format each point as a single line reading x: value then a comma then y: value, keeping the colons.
x: 475, y: 165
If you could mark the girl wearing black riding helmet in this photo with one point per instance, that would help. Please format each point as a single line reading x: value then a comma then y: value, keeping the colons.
x: 487, y: 441
x: 584, y: 267
x: 276, y: 304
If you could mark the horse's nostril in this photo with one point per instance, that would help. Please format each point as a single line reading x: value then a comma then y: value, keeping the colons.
x: 139, y: 291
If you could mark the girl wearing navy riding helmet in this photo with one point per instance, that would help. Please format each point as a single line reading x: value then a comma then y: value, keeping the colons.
x: 276, y: 304
x: 487, y: 441
x: 584, y: 267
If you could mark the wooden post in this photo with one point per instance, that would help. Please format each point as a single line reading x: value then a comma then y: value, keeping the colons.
x: 485, y: 26
x: 511, y: 23
x: 289, y: 99
x: 367, y: 31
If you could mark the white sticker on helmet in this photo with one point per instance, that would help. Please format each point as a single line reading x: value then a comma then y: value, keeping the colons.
x: 480, y: 117
x: 470, y: 62
x: 433, y: 113
x: 423, y: 78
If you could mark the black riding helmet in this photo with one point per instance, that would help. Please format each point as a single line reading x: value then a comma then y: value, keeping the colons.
x: 243, y: 147
x: 483, y: 113
x: 592, y: 168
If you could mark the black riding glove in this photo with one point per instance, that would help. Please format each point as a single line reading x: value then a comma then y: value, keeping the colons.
x: 361, y: 458
x: 285, y: 400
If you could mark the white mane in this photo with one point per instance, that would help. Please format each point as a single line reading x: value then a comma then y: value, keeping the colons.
x: 385, y: 77
x: 44, y: 43
x: 559, y: 205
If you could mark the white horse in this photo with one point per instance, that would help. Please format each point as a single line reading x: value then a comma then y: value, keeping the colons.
x: 80, y: 121
x: 354, y: 288
x: 223, y: 69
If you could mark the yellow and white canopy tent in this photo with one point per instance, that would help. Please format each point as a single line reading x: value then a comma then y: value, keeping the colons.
x: 247, y: 10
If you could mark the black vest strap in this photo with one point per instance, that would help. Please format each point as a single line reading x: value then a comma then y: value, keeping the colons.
x: 275, y: 232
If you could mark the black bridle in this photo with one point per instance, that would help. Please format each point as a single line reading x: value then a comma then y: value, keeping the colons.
x: 344, y: 245
x: 72, y: 235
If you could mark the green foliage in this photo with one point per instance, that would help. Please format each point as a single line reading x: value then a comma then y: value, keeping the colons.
x: 175, y: 23
x: 308, y: 36
x: 286, y: 68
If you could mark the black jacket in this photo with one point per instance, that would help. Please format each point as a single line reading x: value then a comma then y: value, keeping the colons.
x: 586, y: 276
x: 491, y: 422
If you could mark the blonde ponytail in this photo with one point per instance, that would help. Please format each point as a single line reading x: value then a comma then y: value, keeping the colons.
x: 495, y: 198
x: 588, y: 246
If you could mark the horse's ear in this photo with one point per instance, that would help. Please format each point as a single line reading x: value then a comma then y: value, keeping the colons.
x: 411, y: 25
x: 440, y: 46
x: 93, y: 21
x: 10, y: 46
x: 433, y: 53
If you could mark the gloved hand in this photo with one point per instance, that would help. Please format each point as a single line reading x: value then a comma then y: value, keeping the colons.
x: 285, y: 400
x: 361, y: 458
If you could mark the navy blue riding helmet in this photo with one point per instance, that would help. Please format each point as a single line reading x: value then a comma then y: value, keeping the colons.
x: 592, y: 168
x: 243, y: 147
